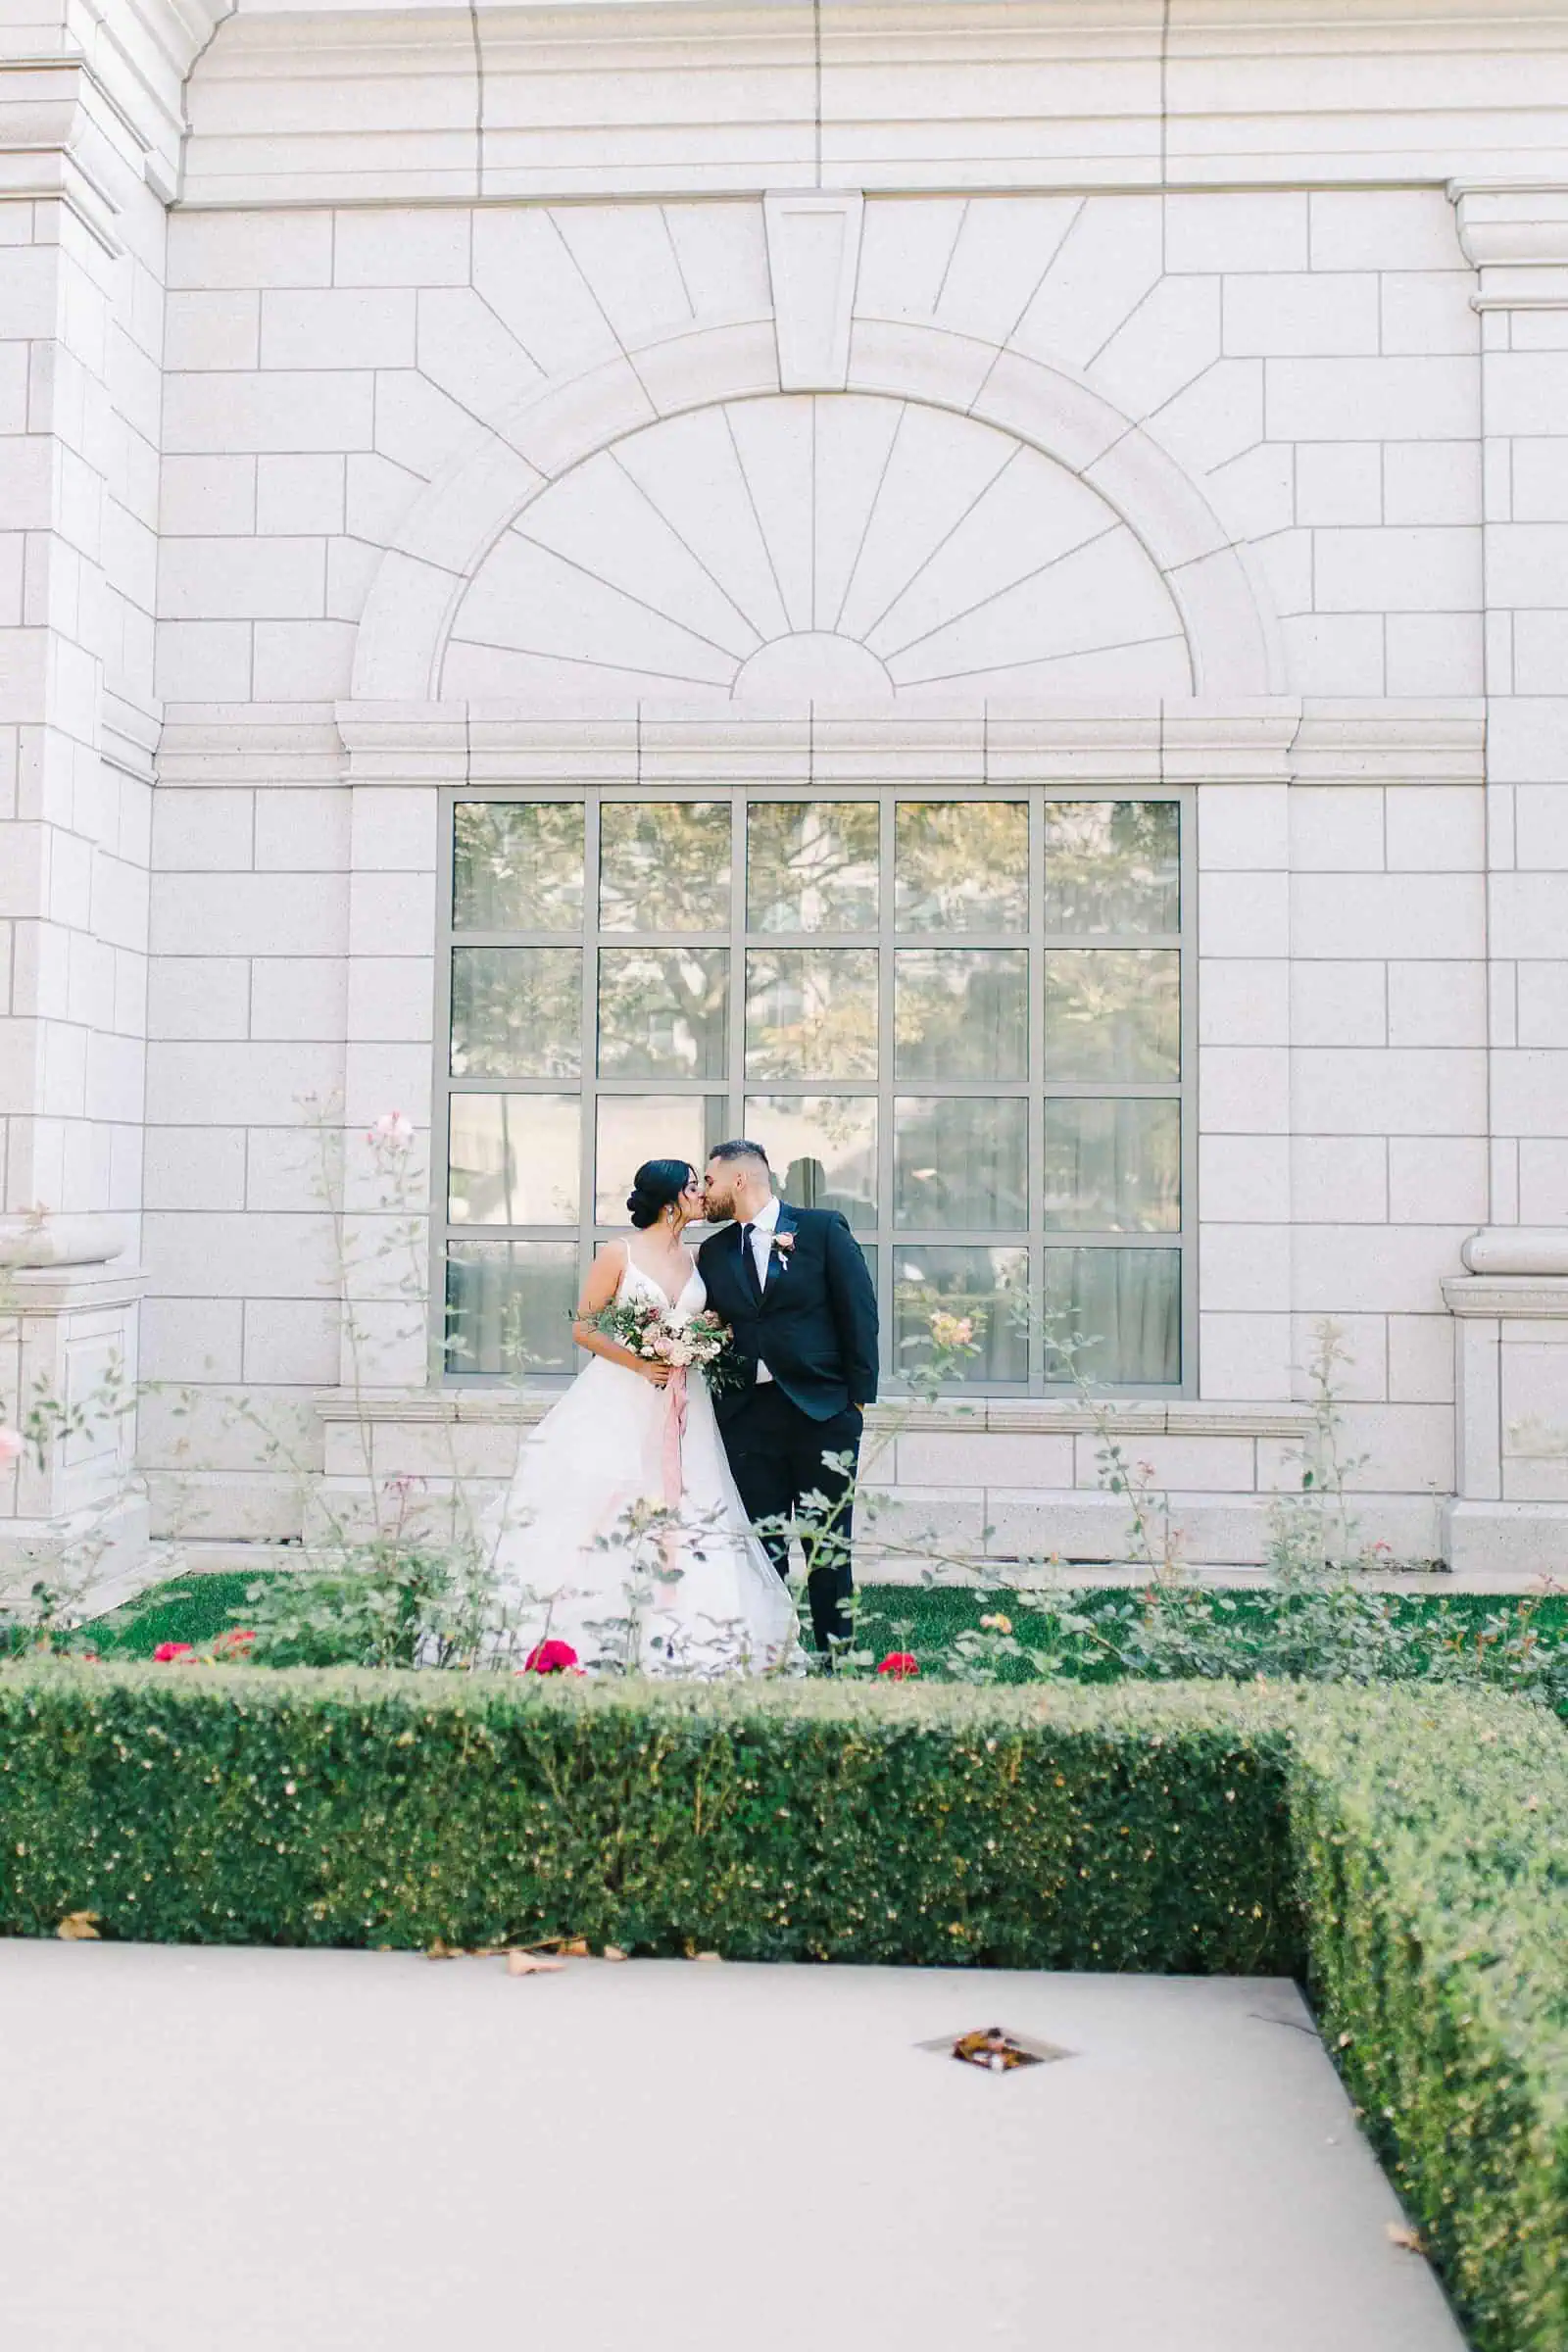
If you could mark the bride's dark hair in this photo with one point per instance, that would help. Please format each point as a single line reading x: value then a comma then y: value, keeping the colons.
x: 657, y: 1183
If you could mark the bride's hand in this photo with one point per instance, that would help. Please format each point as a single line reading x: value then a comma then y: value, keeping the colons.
x: 658, y: 1373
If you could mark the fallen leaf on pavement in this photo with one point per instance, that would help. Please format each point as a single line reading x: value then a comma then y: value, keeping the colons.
x: 612, y: 1951
x: 1402, y: 2235
x: 530, y: 1964
x: 79, y: 1926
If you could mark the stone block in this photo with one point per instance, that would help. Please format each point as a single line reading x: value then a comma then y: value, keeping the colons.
x: 301, y: 829
x: 1219, y: 231
x: 1322, y: 314
x: 194, y: 997
x: 191, y: 1339
x: 1434, y: 570
x: 291, y: 1341
x: 298, y: 997
x: 1245, y: 1179
x: 1243, y: 1268
x: 211, y: 330
x: 1431, y: 481
x: 299, y: 496
x: 202, y: 829
x: 1244, y: 1357
x: 1336, y: 829
x: 242, y: 579
x: 1340, y: 1179
x: 194, y: 1168
x: 273, y: 248
x: 302, y: 660
x: 1406, y: 915
x: 1340, y: 482
x: 1411, y: 1091
x: 393, y: 246
x: 232, y: 1085
x: 251, y: 915
x: 1243, y: 1002
x: 1438, y: 1003
x: 1243, y: 1090
x: 1375, y: 399
x: 204, y: 660
x: 1243, y: 914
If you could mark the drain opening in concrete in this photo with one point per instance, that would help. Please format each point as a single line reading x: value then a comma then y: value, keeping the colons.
x: 995, y: 2050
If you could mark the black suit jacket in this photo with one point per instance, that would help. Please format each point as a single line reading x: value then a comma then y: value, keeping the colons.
x: 815, y: 1326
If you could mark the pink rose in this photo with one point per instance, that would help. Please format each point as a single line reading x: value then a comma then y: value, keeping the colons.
x: 392, y: 1132
x: 13, y: 1446
x: 172, y: 1653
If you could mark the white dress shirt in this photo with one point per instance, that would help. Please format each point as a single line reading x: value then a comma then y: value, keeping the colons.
x: 763, y: 1228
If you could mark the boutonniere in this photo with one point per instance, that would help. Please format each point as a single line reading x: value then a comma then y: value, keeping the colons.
x: 783, y: 1246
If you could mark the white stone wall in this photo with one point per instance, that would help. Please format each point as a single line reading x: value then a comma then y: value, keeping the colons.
x: 1190, y: 395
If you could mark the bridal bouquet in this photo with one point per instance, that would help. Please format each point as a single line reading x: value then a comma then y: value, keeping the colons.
x: 685, y: 1342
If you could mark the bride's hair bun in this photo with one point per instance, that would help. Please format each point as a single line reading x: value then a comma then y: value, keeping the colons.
x: 657, y: 1183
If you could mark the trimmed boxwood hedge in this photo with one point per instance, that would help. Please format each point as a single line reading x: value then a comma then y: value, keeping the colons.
x: 1406, y: 1850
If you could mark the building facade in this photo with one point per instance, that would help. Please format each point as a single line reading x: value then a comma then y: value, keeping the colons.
x: 977, y: 590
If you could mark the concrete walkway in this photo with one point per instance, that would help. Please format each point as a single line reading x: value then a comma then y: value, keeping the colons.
x: 254, y: 2151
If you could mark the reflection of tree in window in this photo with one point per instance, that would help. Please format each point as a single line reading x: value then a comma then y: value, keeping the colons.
x: 1112, y: 865
x: 516, y: 866
x: 810, y: 1013
x: 1112, y: 1014
x: 811, y: 866
x: 516, y: 1012
x: 961, y: 865
x: 662, y: 1013
x: 664, y: 865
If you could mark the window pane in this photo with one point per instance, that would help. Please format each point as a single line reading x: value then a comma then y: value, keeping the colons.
x: 961, y: 865
x: 822, y: 1148
x: 633, y: 1128
x: 811, y: 866
x: 1125, y: 1305
x: 962, y: 1012
x: 514, y: 1159
x: 508, y: 1306
x: 1112, y: 1167
x: 662, y: 1013
x: 516, y: 866
x: 664, y: 866
x: 810, y: 1013
x: 516, y: 1012
x: 986, y: 1285
x: 1113, y: 1015
x: 961, y: 1164
x: 1112, y: 865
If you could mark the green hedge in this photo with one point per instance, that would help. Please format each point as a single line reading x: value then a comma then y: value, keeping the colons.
x: 1143, y: 1830
x: 1406, y: 1850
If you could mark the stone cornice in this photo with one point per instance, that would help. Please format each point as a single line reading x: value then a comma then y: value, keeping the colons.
x: 1279, y: 741
x: 665, y: 98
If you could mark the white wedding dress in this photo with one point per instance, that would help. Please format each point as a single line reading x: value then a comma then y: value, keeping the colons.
x: 691, y: 1596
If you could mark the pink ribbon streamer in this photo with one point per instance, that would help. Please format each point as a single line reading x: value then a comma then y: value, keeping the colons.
x: 675, y: 1431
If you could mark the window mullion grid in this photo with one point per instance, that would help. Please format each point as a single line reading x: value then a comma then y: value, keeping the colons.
x: 886, y: 1081
x: 588, y: 1204
x: 738, y: 963
x: 441, y: 1120
x: 1035, y: 1002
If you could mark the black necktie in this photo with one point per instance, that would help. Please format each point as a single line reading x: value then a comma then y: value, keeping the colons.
x: 749, y: 1262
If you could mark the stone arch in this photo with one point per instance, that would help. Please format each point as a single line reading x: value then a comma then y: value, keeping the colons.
x: 454, y: 525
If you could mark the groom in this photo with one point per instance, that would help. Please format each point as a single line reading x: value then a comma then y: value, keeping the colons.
x: 793, y: 1287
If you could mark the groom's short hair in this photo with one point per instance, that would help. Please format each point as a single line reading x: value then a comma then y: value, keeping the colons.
x: 740, y: 1148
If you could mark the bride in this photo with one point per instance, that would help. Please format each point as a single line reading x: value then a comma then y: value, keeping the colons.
x: 593, y: 1549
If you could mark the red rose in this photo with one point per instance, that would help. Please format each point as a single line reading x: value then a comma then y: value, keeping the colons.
x: 550, y: 1657
x: 900, y: 1665
x: 167, y: 1651
x: 236, y: 1645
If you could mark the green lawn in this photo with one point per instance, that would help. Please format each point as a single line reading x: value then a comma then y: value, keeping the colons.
x: 195, y: 1608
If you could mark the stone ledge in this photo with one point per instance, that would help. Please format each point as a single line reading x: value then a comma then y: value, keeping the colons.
x: 1177, y: 1416
x: 1508, y: 1297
